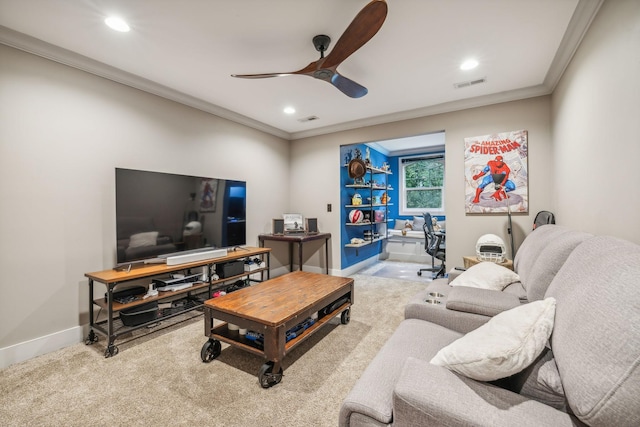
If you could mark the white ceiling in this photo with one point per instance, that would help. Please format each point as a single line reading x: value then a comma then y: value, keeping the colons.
x: 186, y: 50
x: 411, y: 144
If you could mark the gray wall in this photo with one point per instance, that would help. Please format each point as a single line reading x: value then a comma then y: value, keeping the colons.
x: 596, y: 132
x: 319, y: 156
x: 62, y: 134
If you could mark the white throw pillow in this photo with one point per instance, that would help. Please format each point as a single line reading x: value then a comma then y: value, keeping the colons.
x: 418, y: 223
x: 143, y: 239
x: 399, y: 224
x: 486, y: 275
x: 505, y: 345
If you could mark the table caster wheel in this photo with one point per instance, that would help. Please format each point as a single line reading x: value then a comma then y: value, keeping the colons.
x: 266, y: 376
x: 111, y: 351
x: 210, y: 350
x: 345, y: 316
x: 91, y: 338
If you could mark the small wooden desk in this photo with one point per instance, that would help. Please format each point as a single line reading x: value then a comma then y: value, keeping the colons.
x: 300, y: 239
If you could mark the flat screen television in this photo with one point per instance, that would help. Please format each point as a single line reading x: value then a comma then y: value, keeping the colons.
x: 158, y: 214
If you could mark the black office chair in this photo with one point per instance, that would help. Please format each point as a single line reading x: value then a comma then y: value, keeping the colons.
x: 542, y: 218
x: 434, y: 245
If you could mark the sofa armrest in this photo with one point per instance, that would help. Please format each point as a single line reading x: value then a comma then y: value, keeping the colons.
x: 427, y: 394
x: 486, y: 302
x: 453, y: 273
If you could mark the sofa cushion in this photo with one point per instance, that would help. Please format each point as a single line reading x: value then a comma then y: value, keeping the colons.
x: 596, y: 338
x: 542, y: 254
x: 549, y: 261
x: 532, y: 247
x: 460, y: 321
x: 505, y: 345
x: 428, y: 395
x: 486, y: 275
x: 544, y: 384
x: 540, y: 381
x: 399, y: 224
x: 418, y: 223
x: 372, y: 395
x: 480, y: 301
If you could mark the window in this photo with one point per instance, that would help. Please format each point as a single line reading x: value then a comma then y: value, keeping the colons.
x: 422, y: 184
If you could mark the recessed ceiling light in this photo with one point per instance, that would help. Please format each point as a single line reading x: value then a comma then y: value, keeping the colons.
x: 469, y: 64
x: 117, y: 24
x: 289, y: 110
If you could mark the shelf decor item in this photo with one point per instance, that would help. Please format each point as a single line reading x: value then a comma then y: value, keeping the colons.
x: 356, y: 216
x: 293, y: 222
x: 278, y: 226
x: 311, y: 225
x: 357, y: 168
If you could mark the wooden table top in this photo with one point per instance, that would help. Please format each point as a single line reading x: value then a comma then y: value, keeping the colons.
x: 297, y: 237
x: 116, y: 276
x: 277, y: 300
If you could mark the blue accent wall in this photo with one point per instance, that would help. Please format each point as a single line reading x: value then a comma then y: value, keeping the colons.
x: 351, y: 256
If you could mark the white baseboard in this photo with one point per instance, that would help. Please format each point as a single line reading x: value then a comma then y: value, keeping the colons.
x: 37, y: 347
x: 359, y: 266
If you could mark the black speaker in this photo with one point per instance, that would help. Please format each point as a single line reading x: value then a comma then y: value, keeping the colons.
x: 278, y: 226
x: 312, y: 225
x: 229, y: 269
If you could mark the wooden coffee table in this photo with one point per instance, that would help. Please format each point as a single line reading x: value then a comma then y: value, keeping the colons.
x: 278, y: 310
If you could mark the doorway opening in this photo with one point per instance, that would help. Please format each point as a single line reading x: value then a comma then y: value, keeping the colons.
x: 394, y: 191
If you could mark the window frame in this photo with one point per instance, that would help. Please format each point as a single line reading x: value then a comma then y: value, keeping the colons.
x: 402, y: 209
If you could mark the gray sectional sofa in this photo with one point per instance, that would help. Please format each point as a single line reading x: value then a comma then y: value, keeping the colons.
x: 587, y: 374
x: 463, y: 309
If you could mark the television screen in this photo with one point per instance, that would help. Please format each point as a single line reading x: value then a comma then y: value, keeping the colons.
x: 162, y: 213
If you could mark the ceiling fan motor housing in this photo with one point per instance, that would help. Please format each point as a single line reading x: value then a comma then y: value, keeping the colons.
x: 321, y: 43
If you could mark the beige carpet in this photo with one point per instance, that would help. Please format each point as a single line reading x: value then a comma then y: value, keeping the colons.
x: 160, y: 380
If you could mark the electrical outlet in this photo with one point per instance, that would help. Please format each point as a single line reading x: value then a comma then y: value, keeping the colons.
x: 328, y: 207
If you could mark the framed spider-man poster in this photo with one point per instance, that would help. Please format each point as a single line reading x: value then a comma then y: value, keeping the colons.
x: 496, y: 173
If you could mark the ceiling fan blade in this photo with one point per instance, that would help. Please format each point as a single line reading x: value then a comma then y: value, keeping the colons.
x: 348, y: 86
x: 260, y: 76
x: 308, y: 70
x: 363, y: 27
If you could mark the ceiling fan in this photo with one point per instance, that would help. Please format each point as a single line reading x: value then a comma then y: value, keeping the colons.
x: 363, y: 27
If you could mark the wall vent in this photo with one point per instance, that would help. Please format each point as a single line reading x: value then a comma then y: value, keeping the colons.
x: 469, y: 83
x: 308, y: 119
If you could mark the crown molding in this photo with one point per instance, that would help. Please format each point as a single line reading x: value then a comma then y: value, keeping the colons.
x: 447, y: 107
x: 580, y: 22
x: 583, y: 15
x: 63, y: 56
